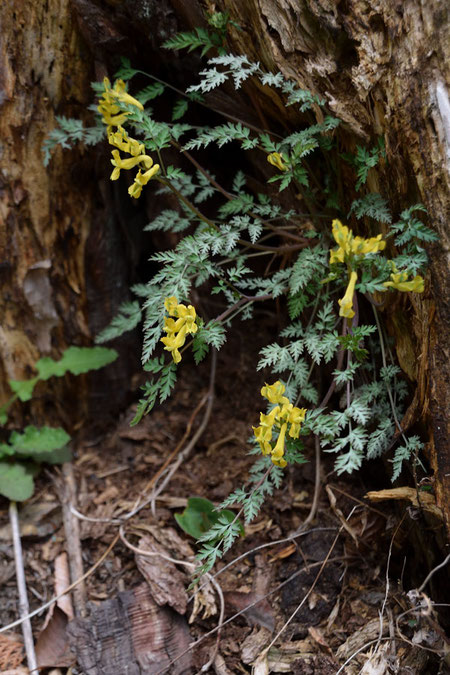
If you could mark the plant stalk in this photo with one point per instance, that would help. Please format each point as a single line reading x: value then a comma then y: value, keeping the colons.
x: 24, y: 608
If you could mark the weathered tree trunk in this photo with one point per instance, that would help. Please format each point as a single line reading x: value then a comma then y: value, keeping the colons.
x: 380, y: 65
x: 383, y: 67
x: 55, y: 253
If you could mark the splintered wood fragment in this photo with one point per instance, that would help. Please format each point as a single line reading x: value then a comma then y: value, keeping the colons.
x: 425, y: 501
x: 72, y: 534
x: 166, y: 582
x: 131, y: 634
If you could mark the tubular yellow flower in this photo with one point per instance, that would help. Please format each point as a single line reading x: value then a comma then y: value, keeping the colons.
x: 142, y: 179
x: 295, y: 418
x: 274, y: 392
x: 118, y: 93
x: 119, y: 163
x: 171, y: 326
x: 399, y: 281
x: 276, y: 159
x: 174, y: 343
x: 346, y: 304
x: 350, y: 245
x: 281, y: 416
x: 264, y: 444
x: 178, y: 329
x: 278, y: 451
x: 362, y: 246
x: 113, y: 116
x: 121, y: 140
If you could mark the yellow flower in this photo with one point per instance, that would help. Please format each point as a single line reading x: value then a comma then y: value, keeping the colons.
x: 121, y: 140
x: 170, y: 305
x: 119, y: 163
x: 346, y: 304
x: 276, y: 159
x: 264, y: 444
x: 274, y: 392
x: 118, y: 93
x: 350, y: 245
x: 142, y: 179
x: 278, y: 451
x: 295, y: 418
x: 281, y: 416
x: 399, y: 281
x: 171, y: 326
x: 174, y: 343
x: 178, y: 329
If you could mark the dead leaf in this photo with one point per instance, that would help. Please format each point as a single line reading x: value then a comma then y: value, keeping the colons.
x: 62, y: 581
x: 107, y: 495
x: 333, y: 614
x: 220, y: 665
x: 340, y: 515
x: 261, y: 665
x: 52, y: 646
x: 371, y: 631
x: 252, y: 528
x: 254, y: 644
x: 319, y: 637
x: 260, y: 613
x: 36, y: 520
x: 204, y: 599
x: 284, y: 552
x: 166, y: 582
x: 377, y: 663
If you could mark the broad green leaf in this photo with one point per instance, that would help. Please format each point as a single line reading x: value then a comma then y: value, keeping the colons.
x: 6, y: 450
x: 76, y: 360
x: 16, y: 481
x: 23, y: 388
x: 200, y: 515
x: 34, y: 441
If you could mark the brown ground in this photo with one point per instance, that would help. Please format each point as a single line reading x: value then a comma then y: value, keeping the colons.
x: 138, y: 605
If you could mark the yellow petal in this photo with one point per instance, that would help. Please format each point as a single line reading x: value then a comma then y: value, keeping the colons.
x: 135, y: 190
x: 346, y: 304
x: 170, y: 304
x: 276, y: 159
x: 278, y: 450
x: 279, y: 462
x: 274, y: 392
x: 400, y: 283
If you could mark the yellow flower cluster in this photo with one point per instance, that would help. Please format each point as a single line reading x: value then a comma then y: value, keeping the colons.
x: 282, y: 415
x: 113, y: 116
x: 399, y: 281
x: 276, y: 159
x: 348, y: 248
x: 179, y: 327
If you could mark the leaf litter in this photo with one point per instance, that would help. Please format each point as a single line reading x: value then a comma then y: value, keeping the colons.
x: 140, y: 608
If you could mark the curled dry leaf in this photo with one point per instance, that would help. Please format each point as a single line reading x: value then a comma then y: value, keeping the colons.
x: 204, y: 599
x: 259, y: 613
x: 254, y: 644
x: 52, y: 646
